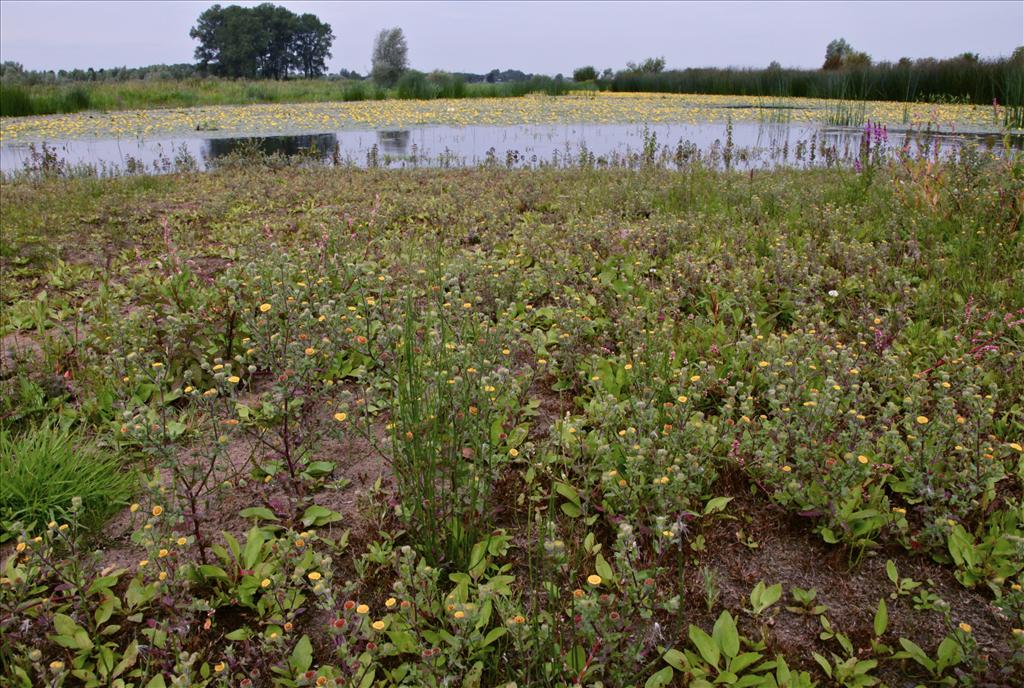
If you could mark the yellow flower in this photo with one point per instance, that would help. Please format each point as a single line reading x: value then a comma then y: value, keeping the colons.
x: 340, y: 417
x: 234, y: 379
x: 922, y: 420
x: 694, y: 378
x: 459, y: 614
x: 310, y: 351
x: 265, y: 583
x: 362, y: 609
x: 594, y: 579
x: 219, y: 667
x: 56, y: 665
x: 786, y: 469
x: 390, y: 602
x: 181, y: 541
x: 264, y: 307
x: 133, y: 508
x: 157, y: 510
x: 965, y: 627
x: 763, y: 364
x: 513, y: 452
x: 681, y: 399
x: 158, y: 364
x: 862, y: 458
x: 378, y: 625
x: 314, y: 575
x: 20, y: 547
x: 162, y: 575
x: 143, y: 563
x: 1015, y: 445
x: 162, y: 553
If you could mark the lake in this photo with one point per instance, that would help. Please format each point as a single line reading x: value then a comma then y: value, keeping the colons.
x: 620, y: 129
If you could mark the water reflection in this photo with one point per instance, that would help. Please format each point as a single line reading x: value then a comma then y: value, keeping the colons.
x: 321, y: 146
x: 394, y: 141
x: 770, y: 143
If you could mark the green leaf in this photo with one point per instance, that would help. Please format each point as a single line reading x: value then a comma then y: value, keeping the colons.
x: 569, y: 492
x: 493, y: 635
x: 705, y: 645
x: 258, y: 512
x: 715, y: 505
x: 239, y: 634
x: 725, y: 635
x: 253, y: 546
x: 473, y: 676
x: 604, y: 569
x: 890, y: 571
x: 571, y: 510
x: 302, y: 656
x: 318, y: 469
x: 917, y: 654
x: 317, y: 515
x: 211, y: 572
x: 660, y: 678
x: 157, y: 682
x: 131, y: 653
x: 676, y: 659
x: 577, y: 659
x: 948, y: 654
x: 881, y: 618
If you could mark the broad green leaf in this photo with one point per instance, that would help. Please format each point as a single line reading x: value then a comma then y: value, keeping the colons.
x: 725, y: 635
x: 705, y: 645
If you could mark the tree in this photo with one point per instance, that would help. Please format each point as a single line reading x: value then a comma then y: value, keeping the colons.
x: 584, y: 74
x: 390, y: 57
x: 311, y: 45
x: 263, y: 41
x: 652, y: 65
x: 836, y: 53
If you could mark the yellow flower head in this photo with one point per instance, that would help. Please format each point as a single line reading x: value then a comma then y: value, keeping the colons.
x: 157, y: 510
x: 594, y: 579
x: 965, y: 627
x: 314, y: 575
x: 264, y: 307
x: 378, y: 625
x: 922, y: 420
x: 362, y: 609
x: 340, y: 417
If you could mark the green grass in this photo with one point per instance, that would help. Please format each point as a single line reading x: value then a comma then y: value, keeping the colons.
x: 18, y: 100
x: 46, y: 469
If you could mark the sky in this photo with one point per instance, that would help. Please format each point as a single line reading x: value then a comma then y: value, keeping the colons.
x: 540, y: 37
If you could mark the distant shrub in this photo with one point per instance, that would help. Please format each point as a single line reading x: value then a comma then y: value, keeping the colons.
x: 587, y: 73
x: 414, y: 85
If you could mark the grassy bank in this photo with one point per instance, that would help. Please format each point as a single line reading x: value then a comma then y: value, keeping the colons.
x: 20, y: 100
x: 955, y: 80
x: 551, y: 427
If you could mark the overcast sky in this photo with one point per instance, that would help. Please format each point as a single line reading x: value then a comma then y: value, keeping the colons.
x: 543, y: 37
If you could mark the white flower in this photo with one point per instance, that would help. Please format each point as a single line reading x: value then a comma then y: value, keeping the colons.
x: 833, y: 293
